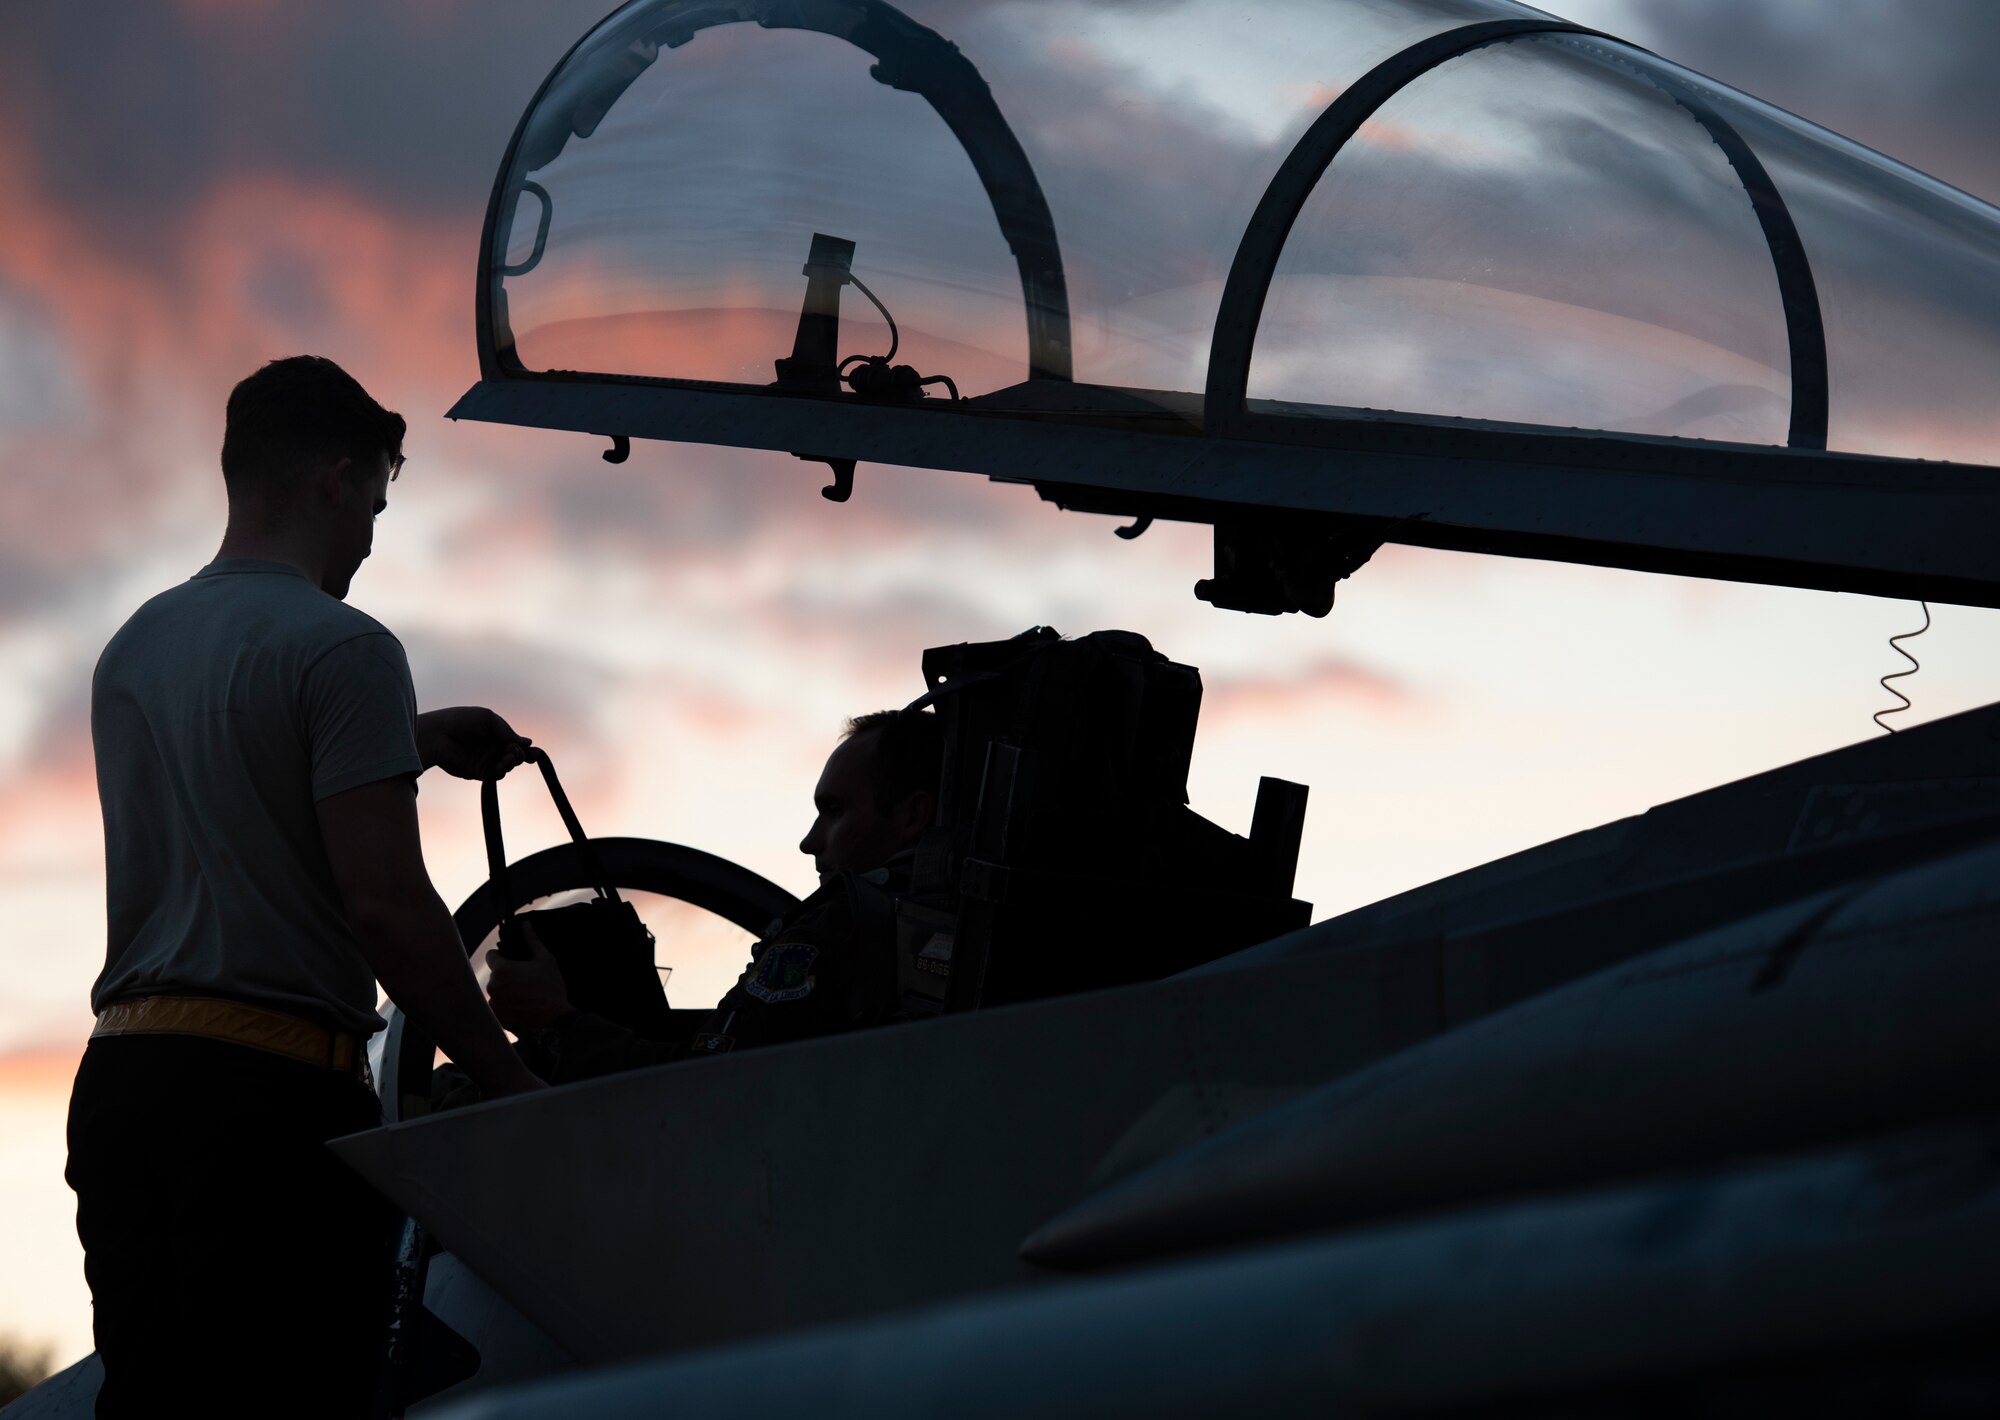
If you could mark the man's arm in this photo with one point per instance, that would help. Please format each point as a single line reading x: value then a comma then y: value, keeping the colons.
x: 407, y: 935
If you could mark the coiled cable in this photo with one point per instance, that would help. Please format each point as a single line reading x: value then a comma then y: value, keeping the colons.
x: 1897, y: 641
x: 877, y: 376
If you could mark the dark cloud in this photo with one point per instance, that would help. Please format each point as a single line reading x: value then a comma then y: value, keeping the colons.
x: 1531, y: 170
x: 639, y: 511
x: 531, y: 683
x: 133, y: 111
x: 1914, y: 81
x: 888, y: 629
x: 27, y: 589
x: 1908, y: 278
x: 40, y: 384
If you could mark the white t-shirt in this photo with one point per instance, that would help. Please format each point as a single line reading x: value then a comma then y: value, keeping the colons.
x: 221, y: 713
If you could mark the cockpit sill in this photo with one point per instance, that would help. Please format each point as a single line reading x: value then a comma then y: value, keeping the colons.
x: 1855, y: 523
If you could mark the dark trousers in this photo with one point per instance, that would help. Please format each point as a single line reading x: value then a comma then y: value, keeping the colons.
x: 236, y: 1266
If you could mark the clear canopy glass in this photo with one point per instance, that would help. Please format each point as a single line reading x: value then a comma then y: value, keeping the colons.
x: 668, y: 183
x: 1908, y: 275
x: 1532, y: 232
x: 1550, y: 229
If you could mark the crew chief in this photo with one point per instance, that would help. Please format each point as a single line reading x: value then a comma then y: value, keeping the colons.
x: 257, y: 747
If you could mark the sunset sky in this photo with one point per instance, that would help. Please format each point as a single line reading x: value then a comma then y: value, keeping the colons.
x: 196, y: 187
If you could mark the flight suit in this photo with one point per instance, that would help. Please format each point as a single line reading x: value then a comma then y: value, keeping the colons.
x: 827, y: 966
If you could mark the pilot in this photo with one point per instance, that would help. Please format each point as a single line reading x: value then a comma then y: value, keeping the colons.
x: 826, y: 966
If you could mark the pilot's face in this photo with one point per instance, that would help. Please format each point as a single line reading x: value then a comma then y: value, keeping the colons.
x: 854, y: 831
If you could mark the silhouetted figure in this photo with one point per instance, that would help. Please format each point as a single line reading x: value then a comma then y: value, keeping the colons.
x: 1028, y: 836
x: 827, y: 966
x: 257, y: 748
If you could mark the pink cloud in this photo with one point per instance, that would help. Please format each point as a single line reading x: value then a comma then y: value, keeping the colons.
x: 159, y: 349
x: 1331, y: 684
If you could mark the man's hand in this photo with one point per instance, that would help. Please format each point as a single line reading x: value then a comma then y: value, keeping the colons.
x: 527, y: 994
x: 469, y: 742
x: 405, y: 932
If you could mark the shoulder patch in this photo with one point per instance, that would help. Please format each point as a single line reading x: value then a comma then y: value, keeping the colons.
x: 783, y: 973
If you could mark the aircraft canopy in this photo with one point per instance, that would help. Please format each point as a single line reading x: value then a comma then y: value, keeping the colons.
x: 1422, y: 224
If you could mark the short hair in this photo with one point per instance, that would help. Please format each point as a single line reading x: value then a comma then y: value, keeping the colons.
x: 908, y: 753
x: 299, y: 411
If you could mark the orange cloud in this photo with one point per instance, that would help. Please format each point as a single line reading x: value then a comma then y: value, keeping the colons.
x: 53, y: 808
x: 44, y: 1068
x: 159, y: 346
x: 1396, y: 137
x: 394, y: 292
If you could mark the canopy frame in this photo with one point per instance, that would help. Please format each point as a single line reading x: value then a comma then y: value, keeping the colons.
x: 1225, y: 403
x: 908, y: 56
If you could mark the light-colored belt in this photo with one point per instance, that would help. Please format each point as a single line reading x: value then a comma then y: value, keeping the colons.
x: 258, y: 1027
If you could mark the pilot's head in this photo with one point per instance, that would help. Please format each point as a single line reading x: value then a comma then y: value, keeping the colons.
x: 308, y: 456
x: 878, y: 792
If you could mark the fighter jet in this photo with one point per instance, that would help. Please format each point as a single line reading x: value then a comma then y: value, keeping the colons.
x: 1691, y: 1112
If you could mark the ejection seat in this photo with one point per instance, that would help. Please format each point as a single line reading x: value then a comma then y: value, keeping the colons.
x: 1065, y: 857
